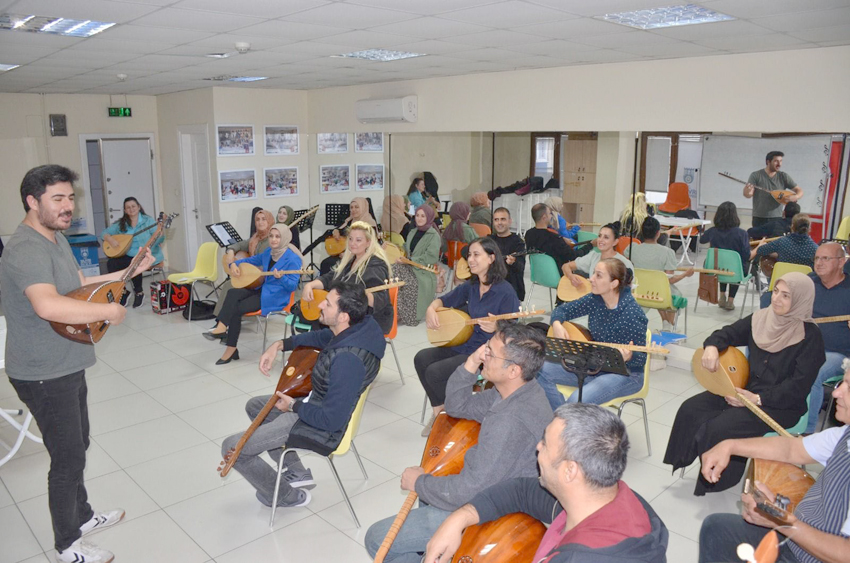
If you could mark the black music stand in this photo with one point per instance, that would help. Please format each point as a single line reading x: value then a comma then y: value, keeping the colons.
x: 303, y: 226
x: 336, y: 213
x: 224, y: 233
x: 585, y: 358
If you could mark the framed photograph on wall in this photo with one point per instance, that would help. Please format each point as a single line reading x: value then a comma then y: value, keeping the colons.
x: 235, y: 140
x: 335, y: 178
x: 281, y: 182
x: 370, y: 177
x: 236, y: 185
x: 368, y: 142
x: 332, y: 143
x: 281, y: 139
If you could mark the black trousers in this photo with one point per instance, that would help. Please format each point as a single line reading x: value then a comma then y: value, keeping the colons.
x: 733, y: 289
x: 434, y: 366
x: 237, y: 303
x: 118, y: 264
x: 60, y: 409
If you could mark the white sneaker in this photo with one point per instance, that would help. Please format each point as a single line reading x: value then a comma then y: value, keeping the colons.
x: 82, y: 551
x: 102, y: 520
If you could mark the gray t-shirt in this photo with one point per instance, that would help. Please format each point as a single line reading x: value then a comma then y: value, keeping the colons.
x: 34, y: 351
x: 763, y: 203
x: 588, y: 262
x: 655, y: 257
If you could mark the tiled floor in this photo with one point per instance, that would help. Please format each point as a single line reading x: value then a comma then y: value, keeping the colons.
x: 160, y: 409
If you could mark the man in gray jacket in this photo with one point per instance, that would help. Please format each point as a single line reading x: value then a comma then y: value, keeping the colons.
x: 513, y: 415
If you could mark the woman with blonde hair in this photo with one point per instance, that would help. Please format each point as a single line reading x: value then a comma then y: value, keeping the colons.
x: 363, y: 262
x: 557, y: 223
x: 359, y: 210
x: 633, y: 216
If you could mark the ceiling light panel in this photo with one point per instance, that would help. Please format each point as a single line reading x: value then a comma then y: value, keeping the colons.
x: 53, y: 25
x: 381, y: 55
x: 5, y: 67
x: 670, y: 16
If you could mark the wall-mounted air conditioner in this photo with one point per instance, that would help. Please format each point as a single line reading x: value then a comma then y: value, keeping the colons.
x: 399, y: 110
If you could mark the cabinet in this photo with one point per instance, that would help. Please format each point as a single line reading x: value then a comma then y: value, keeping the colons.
x: 578, y: 213
x: 579, y: 176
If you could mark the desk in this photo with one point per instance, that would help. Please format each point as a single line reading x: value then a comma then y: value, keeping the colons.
x: 684, y: 238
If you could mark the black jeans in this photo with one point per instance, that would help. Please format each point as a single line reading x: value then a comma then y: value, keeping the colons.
x: 237, y: 303
x: 60, y: 409
x: 721, y: 534
x: 733, y: 289
x: 118, y: 264
x: 435, y: 366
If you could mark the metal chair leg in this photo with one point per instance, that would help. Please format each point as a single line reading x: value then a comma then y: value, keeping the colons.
x: 397, y: 364
x: 424, y: 406
x: 359, y: 461
x: 344, y: 494
x: 744, y: 302
x: 528, y: 297
x: 276, y: 488
x: 551, y: 303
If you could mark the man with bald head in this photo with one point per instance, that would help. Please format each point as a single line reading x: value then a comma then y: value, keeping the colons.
x: 832, y: 298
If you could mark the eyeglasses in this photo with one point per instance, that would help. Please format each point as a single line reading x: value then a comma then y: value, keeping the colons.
x: 824, y: 258
x: 489, y: 352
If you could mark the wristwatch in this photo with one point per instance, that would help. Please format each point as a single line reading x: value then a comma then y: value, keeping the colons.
x: 758, y: 400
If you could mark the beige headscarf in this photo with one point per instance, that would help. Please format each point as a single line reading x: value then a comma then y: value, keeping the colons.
x: 258, y: 234
x: 393, y: 218
x: 364, y: 215
x: 285, y: 242
x: 555, y: 204
x: 772, y: 332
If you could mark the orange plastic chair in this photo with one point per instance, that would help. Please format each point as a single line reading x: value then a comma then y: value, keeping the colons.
x: 623, y: 243
x: 453, y: 252
x: 390, y: 336
x: 259, y: 316
x: 480, y: 230
x: 677, y: 198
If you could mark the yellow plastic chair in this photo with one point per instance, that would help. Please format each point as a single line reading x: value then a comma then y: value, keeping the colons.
x: 844, y: 229
x: 653, y: 292
x: 782, y: 268
x: 346, y: 444
x: 395, y: 238
x: 206, y: 271
x: 620, y: 402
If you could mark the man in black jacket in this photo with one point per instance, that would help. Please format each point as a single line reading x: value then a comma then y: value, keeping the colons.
x: 546, y: 241
x: 510, y: 243
x: 595, y: 517
x: 352, y: 347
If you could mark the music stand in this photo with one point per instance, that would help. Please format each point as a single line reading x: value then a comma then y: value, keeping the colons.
x: 336, y: 213
x: 303, y: 226
x: 585, y: 358
x: 224, y: 233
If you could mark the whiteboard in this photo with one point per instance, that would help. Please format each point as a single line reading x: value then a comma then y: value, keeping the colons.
x: 806, y: 161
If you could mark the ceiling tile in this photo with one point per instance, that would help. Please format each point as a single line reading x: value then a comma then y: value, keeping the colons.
x: 676, y: 51
x: 496, y: 38
x: 9, y: 37
x: 553, y: 48
x: 745, y: 44
x: 19, y: 54
x: 824, y: 34
x: 710, y: 30
x: 608, y: 56
x: 626, y: 40
x: 293, y: 30
x: 430, y: 28
x: 430, y: 7
x: 805, y: 20
x: 145, y: 33
x: 486, y: 54
x: 98, y: 10
x: 122, y: 46
x: 202, y: 21
x: 759, y: 8
x: 508, y: 14
x: 311, y: 47
x: 224, y: 42
x: 570, y: 29
x: 434, y: 47
x: 361, y: 40
x: 600, y: 7
x: 259, y: 8
x: 349, y: 15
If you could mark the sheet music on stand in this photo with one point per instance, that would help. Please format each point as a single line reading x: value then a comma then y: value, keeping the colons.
x: 336, y: 213
x: 224, y: 233
x: 585, y: 358
x: 306, y: 223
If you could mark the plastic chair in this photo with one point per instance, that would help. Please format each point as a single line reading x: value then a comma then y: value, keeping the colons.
x: 800, y: 427
x: 205, y: 271
x: 844, y: 229
x: 677, y: 199
x: 831, y: 382
x: 394, y: 238
x: 623, y: 244
x: 481, y: 230
x: 731, y: 261
x: 584, y: 236
x: 23, y: 432
x: 346, y: 444
x: 544, y: 271
x: 452, y: 256
x: 620, y: 402
x: 390, y: 336
x: 259, y: 315
x: 782, y: 268
x: 655, y: 283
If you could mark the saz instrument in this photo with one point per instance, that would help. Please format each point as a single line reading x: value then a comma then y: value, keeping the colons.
x: 429, y: 268
x: 584, y: 224
x: 781, y: 196
x: 310, y: 309
x: 448, y: 442
x: 788, y: 482
x: 124, y: 243
x: 456, y: 327
x: 512, y: 538
x: 106, y: 292
x: 765, y: 240
x: 733, y: 371
x: 680, y: 230
x: 577, y: 332
x: 252, y: 277
x: 707, y: 271
x: 335, y: 247
x: 240, y: 255
x: 838, y: 319
x: 651, y: 296
x: 309, y: 213
x: 766, y: 265
x: 568, y: 292
x: 294, y: 381
x: 393, y: 252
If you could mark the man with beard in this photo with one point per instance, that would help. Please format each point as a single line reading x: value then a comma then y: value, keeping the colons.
x: 765, y: 208
x: 510, y: 243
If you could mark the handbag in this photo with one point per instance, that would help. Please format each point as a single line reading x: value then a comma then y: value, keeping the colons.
x: 708, y: 285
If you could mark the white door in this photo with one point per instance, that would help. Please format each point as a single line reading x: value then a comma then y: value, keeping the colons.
x: 195, y: 177
x: 689, y: 162
x: 128, y: 170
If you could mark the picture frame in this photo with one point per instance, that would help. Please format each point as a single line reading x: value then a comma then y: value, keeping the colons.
x: 235, y: 140
x: 370, y: 177
x: 335, y: 178
x: 368, y: 142
x: 237, y: 185
x: 332, y: 143
x: 280, y: 182
x: 280, y: 140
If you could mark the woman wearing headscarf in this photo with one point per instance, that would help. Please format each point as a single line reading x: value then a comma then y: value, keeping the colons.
x: 423, y: 247
x: 358, y: 211
x: 480, y: 209
x: 786, y: 351
x: 286, y: 215
x: 259, y: 241
x: 458, y: 229
x: 272, y: 295
x: 558, y: 224
x: 393, y: 217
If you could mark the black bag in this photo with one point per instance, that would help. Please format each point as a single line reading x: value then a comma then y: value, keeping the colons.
x: 201, y: 311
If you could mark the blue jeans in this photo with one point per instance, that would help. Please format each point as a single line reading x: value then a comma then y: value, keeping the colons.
x: 60, y: 409
x: 597, y: 390
x: 415, y: 533
x: 721, y: 533
x: 830, y: 368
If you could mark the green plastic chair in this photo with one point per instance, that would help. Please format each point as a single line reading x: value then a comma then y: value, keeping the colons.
x: 584, y: 236
x: 544, y: 271
x: 800, y: 427
x: 292, y: 321
x: 832, y: 382
x: 731, y: 261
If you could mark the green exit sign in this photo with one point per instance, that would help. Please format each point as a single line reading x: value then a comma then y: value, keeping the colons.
x: 120, y: 112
